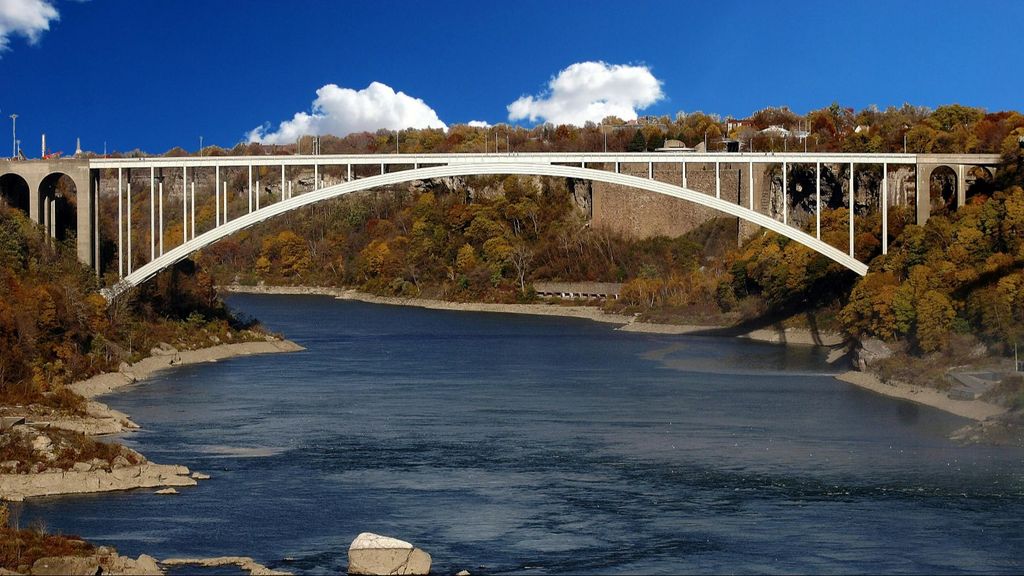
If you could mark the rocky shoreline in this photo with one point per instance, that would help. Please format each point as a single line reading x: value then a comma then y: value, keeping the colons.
x: 120, y: 473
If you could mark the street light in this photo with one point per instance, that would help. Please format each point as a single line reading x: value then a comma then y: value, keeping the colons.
x: 906, y: 128
x: 706, y: 138
x: 14, y: 135
x: 200, y: 146
x: 613, y: 127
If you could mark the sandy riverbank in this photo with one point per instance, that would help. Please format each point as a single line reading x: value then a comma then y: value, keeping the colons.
x: 626, y: 323
x: 973, y: 409
x: 101, y: 419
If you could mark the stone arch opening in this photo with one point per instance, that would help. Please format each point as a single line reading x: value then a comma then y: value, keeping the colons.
x: 58, y: 205
x: 978, y: 182
x: 942, y: 189
x: 14, y: 192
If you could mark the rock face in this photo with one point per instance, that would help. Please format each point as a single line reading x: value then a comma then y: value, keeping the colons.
x: 372, y: 554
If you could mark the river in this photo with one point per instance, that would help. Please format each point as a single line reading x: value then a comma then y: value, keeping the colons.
x: 541, y: 445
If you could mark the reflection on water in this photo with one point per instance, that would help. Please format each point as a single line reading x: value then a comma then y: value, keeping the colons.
x: 503, y: 443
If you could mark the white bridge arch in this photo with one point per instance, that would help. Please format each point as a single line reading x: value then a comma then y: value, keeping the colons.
x: 182, y: 251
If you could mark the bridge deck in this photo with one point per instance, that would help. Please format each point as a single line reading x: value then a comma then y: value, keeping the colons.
x: 547, y: 158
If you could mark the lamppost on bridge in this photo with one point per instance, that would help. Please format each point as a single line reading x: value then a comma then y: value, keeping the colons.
x: 605, y: 133
x: 200, y: 146
x: 906, y: 129
x: 14, y: 136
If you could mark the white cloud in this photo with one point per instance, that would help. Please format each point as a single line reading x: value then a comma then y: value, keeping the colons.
x: 28, y: 18
x: 590, y: 91
x: 478, y: 124
x: 340, y: 111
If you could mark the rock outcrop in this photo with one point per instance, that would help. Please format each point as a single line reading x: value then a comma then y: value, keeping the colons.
x: 17, y: 487
x: 243, y: 562
x: 110, y: 562
x: 869, y: 352
x: 372, y: 554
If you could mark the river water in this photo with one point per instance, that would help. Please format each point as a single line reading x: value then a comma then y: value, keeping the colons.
x: 539, y: 445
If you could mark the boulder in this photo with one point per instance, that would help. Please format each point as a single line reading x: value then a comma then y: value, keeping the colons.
x: 200, y: 476
x: 81, y: 467
x: 372, y: 554
x: 870, y: 351
x: 166, y: 491
x: 41, y: 443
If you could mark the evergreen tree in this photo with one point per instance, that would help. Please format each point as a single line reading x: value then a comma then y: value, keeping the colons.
x: 638, y: 143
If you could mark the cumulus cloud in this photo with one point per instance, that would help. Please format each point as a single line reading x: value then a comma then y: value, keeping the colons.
x: 28, y: 18
x: 478, y: 124
x: 341, y: 111
x: 590, y: 91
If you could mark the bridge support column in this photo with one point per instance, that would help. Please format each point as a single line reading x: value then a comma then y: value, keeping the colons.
x: 851, y: 209
x: 94, y: 194
x: 282, y: 182
x: 34, y: 199
x: 250, y: 188
x: 961, y: 185
x: 216, y: 196
x: 682, y: 169
x: 817, y: 200
x: 885, y: 208
x: 120, y: 227
x: 161, y: 193
x: 152, y: 205
x: 349, y: 172
x: 184, y: 204
x: 924, y: 189
x: 193, y: 209
x: 128, y: 229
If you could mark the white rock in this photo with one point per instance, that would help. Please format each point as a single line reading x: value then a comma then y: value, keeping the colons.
x: 373, y: 554
x: 81, y: 467
x: 200, y: 476
x: 166, y: 491
x: 462, y: 573
x: 41, y: 443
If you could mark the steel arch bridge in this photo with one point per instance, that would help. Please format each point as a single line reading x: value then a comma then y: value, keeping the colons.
x: 85, y: 174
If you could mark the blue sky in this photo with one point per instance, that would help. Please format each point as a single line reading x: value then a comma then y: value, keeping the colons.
x: 153, y: 75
